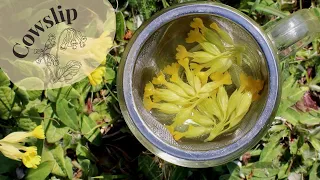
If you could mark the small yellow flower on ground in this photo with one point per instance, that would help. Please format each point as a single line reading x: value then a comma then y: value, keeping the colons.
x: 96, y: 77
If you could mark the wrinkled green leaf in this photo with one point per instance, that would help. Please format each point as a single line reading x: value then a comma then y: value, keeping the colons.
x: 6, y: 102
x: 264, y: 169
x: 4, y: 80
x: 67, y: 93
x: 56, y: 155
x: 67, y: 114
x: 54, y: 131
x: 90, y: 131
x: 30, y: 120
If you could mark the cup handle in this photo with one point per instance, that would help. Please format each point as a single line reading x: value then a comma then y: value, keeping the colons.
x: 295, y: 31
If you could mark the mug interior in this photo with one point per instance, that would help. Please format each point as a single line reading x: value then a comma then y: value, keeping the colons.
x: 159, y: 50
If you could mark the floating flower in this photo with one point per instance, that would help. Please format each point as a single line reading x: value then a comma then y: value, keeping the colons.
x: 182, y: 52
x: 195, y: 36
x: 195, y: 94
x: 197, y: 23
x: 96, y: 77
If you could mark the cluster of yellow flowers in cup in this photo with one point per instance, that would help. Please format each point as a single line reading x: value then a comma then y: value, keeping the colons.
x: 12, y: 146
x: 193, y: 89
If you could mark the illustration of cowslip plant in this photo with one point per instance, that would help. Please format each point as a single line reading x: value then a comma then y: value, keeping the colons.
x: 194, y: 88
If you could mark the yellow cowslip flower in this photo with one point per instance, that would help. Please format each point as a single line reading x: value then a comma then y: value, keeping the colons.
x: 30, y: 158
x: 189, y: 74
x: 161, y: 80
x: 38, y: 132
x: 223, y: 34
x: 197, y: 23
x: 192, y: 132
x: 17, y: 137
x: 168, y: 108
x: 96, y: 77
x: 195, y: 36
x: 210, y: 48
x: 173, y: 70
x: 11, y: 147
x: 148, y: 90
x: 249, y: 84
x: 182, y: 52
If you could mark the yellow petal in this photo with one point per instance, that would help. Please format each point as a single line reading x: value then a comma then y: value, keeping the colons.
x: 195, y: 36
x: 197, y: 23
x: 148, y: 90
x: 16, y: 137
x: 148, y: 104
x: 10, y: 151
x: 96, y: 77
x: 223, y: 99
x: 38, y: 132
x: 172, y: 69
x: 182, y: 52
x: 30, y: 158
x: 160, y: 79
x: 223, y: 34
x: 210, y: 48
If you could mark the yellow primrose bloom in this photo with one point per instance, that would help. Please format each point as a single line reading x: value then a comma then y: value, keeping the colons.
x: 197, y: 23
x: 192, y: 132
x: 172, y: 69
x: 249, y: 84
x: 195, y: 36
x: 96, y: 77
x: 148, y: 90
x: 223, y: 34
x: 30, y: 158
x: 182, y: 52
x: 17, y: 137
x: 10, y: 151
x: 38, y: 132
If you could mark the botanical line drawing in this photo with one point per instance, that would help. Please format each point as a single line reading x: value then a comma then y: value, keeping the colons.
x: 72, y: 38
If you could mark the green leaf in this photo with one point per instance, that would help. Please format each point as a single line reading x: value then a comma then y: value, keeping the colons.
x: 7, y: 165
x: 43, y: 171
x: 31, y: 120
x: 90, y: 131
x: 148, y: 167
x: 67, y: 114
x: 121, y: 26
x: 67, y: 93
x: 69, y: 168
x: 234, y: 171
x: 179, y: 173
x: 4, y: 80
x: 22, y: 95
x: 6, y: 102
x: 34, y: 94
x: 84, y: 153
x: 110, y: 75
x: 88, y: 169
x: 40, y: 106
x: 315, y: 143
x: 55, y: 154
x: 110, y: 177
x: 273, y: 149
x: 283, y: 171
x: 293, y: 146
x: 55, y: 131
x: 315, y: 172
x: 264, y: 169
x: 291, y: 115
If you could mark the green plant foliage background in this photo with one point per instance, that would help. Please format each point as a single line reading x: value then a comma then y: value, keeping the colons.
x: 87, y: 138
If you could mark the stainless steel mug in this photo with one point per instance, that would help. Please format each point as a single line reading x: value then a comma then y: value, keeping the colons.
x: 153, y: 47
